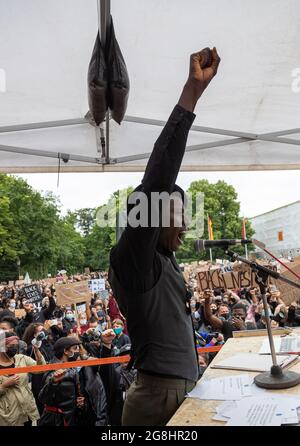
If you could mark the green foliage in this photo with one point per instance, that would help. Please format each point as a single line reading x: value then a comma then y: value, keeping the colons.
x: 220, y: 203
x: 33, y: 230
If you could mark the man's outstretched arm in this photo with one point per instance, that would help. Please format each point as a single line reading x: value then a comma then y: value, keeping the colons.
x: 166, y: 158
x: 136, y: 248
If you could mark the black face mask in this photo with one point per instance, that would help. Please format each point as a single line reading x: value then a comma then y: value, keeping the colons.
x: 74, y: 357
x: 11, y: 351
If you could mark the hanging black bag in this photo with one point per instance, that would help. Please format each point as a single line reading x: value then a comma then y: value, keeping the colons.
x: 118, y: 80
x: 97, y: 85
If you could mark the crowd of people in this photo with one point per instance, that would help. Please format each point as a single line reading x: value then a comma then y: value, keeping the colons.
x: 95, y: 395
x: 86, y: 396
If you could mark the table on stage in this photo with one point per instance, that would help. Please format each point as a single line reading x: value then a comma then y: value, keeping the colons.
x: 196, y: 412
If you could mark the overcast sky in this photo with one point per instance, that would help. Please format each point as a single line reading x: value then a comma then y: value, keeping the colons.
x: 258, y: 192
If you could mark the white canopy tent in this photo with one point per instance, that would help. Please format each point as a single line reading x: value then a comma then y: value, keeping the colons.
x: 248, y: 119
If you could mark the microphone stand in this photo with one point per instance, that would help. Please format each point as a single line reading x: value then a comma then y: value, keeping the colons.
x: 276, y: 378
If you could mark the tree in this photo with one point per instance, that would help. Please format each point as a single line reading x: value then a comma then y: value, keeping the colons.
x: 220, y: 203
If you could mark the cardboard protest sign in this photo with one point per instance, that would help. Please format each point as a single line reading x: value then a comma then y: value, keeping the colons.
x: 33, y: 294
x: 288, y: 292
x: 216, y: 278
x: 19, y: 282
x: 96, y: 285
x: 72, y: 293
x: 20, y: 313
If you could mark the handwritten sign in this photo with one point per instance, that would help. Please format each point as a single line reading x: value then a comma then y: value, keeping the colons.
x: 216, y: 278
x: 97, y: 285
x: 33, y: 294
x: 288, y: 292
x: 72, y: 293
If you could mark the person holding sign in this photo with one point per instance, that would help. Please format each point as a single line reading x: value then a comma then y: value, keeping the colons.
x: 145, y: 278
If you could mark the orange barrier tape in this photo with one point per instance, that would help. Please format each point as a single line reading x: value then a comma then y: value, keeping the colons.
x: 215, y: 348
x: 64, y: 365
x: 84, y: 363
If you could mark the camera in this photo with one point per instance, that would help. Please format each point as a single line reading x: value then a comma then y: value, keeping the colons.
x: 91, y: 336
x: 41, y: 336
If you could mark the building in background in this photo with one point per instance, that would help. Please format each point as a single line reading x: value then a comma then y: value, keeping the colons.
x: 279, y: 230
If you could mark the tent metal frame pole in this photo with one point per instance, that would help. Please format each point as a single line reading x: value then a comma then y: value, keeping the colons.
x: 103, y: 7
x: 41, y: 125
x: 44, y: 153
x: 239, y: 137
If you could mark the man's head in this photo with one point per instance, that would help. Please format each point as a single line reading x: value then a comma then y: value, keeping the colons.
x: 67, y: 348
x: 173, y: 228
x: 223, y: 311
x: 93, y: 322
x: 162, y: 210
x: 239, y: 311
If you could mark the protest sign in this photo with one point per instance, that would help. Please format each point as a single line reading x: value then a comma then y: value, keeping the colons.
x: 288, y: 292
x: 96, y: 285
x: 19, y: 313
x: 216, y: 278
x: 72, y: 293
x: 81, y: 308
x: 33, y: 294
x: 103, y: 294
x: 19, y: 283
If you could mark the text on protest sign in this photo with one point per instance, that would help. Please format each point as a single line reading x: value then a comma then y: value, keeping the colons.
x: 33, y: 294
x: 216, y: 278
x: 97, y: 285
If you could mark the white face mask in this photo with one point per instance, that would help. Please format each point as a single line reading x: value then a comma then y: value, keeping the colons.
x: 12, y: 305
x: 83, y: 321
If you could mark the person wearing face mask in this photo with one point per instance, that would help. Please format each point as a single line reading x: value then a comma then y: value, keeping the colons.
x: 36, y: 336
x: 60, y: 393
x: 236, y: 322
x: 121, y: 339
x: 17, y: 403
x: 69, y: 321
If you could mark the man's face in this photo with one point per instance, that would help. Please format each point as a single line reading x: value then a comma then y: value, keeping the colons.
x: 239, y: 314
x: 223, y: 310
x: 93, y: 325
x: 171, y: 237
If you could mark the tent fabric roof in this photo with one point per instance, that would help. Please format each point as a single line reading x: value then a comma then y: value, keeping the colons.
x: 45, y: 52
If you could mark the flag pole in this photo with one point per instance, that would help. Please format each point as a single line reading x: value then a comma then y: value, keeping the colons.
x: 209, y: 236
x: 244, y: 236
x: 246, y: 252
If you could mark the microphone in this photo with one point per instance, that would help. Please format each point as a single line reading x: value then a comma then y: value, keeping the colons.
x: 201, y: 245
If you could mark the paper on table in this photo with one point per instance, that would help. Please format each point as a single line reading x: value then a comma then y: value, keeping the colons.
x: 253, y: 362
x: 227, y: 388
x: 256, y: 412
x: 268, y: 411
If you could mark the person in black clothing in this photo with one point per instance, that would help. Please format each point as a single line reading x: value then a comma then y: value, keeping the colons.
x: 145, y: 278
x: 59, y: 393
x: 121, y: 338
x: 236, y: 322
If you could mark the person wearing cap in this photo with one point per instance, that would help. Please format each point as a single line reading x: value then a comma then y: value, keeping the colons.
x: 144, y: 275
x: 60, y: 391
x: 17, y: 403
